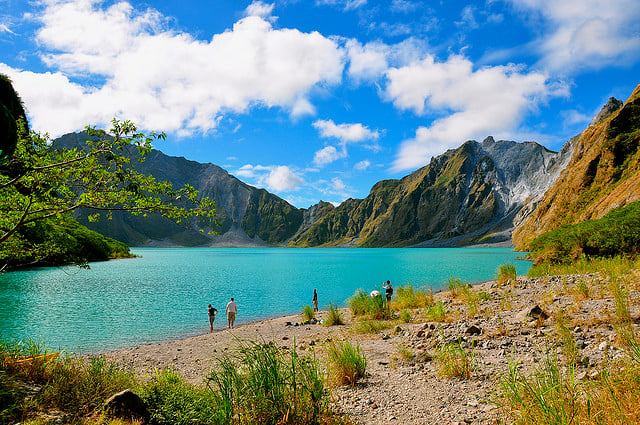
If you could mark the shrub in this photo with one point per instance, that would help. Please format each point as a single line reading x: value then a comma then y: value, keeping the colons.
x: 334, y: 317
x: 307, y: 313
x: 346, y: 361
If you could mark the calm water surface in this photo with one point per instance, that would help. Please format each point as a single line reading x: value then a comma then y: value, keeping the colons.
x: 164, y: 294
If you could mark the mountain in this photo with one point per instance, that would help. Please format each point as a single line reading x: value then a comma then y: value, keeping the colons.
x: 468, y: 195
x: 247, y: 216
x: 603, y: 173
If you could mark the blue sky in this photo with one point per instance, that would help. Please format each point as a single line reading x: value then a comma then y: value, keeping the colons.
x: 320, y: 99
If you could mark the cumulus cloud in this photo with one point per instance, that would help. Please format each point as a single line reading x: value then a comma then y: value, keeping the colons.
x: 279, y: 178
x: 346, y: 134
x: 164, y: 79
x: 371, y: 60
x: 480, y: 102
x: 258, y: 8
x: 584, y: 33
x: 327, y: 155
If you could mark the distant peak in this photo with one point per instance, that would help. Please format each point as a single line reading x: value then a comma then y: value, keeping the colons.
x: 609, y: 108
x: 488, y: 140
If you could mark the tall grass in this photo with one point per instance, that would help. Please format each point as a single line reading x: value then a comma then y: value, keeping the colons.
x: 264, y: 385
x: 308, y: 314
x: 346, y: 362
x: 436, y: 312
x: 454, y: 284
x: 334, y: 317
x: 369, y: 326
x: 583, y: 265
x: 505, y: 273
x: 455, y: 361
x: 362, y: 304
x: 408, y: 297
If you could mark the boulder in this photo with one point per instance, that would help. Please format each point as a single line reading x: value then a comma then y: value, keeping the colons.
x: 530, y: 314
x: 127, y: 405
x: 473, y: 330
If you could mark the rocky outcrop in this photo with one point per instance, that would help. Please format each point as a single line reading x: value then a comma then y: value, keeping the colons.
x: 607, y: 110
x: 603, y: 173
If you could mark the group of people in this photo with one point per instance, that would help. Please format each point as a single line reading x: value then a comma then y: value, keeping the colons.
x: 230, y: 312
x: 232, y: 307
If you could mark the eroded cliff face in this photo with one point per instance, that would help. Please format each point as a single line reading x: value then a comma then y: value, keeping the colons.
x: 468, y: 195
x: 603, y: 173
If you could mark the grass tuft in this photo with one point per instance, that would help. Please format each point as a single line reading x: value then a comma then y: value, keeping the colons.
x: 505, y: 273
x: 347, y: 362
x: 334, y: 317
x: 308, y: 314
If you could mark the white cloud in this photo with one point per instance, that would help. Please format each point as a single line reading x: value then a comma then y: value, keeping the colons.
x: 346, y: 133
x: 480, y: 102
x: 584, y: 33
x: 278, y: 178
x: 345, y: 4
x: 327, y: 155
x: 259, y: 8
x: 362, y: 165
x: 338, y: 185
x: 370, y: 61
x: 5, y: 28
x: 164, y: 79
x: 404, y: 6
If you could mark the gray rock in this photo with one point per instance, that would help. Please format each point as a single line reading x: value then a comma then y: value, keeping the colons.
x: 127, y: 405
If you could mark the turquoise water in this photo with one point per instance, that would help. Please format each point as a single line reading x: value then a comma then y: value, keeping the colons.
x: 164, y: 294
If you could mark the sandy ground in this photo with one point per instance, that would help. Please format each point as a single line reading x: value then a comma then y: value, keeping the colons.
x: 397, y: 390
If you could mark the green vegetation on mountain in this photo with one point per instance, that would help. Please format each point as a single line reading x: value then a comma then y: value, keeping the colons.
x: 270, y: 218
x: 604, y: 173
x: 40, y: 186
x: 615, y: 234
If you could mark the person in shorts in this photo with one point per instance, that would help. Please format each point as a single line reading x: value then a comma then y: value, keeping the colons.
x: 231, y: 311
x: 388, y: 289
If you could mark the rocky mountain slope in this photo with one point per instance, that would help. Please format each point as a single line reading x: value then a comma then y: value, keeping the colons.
x: 603, y: 173
x: 468, y: 195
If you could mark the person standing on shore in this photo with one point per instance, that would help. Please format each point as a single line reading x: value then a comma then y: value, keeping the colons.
x: 388, y: 290
x: 231, y: 311
x: 212, y: 317
x: 315, y: 300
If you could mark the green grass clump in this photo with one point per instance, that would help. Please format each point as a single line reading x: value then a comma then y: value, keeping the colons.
x: 368, y: 326
x: 172, y: 400
x: 346, y: 362
x: 436, y: 312
x: 263, y: 384
x: 405, y: 316
x: 454, y: 361
x: 334, y: 316
x: 362, y: 304
x: 454, y: 284
x: 506, y: 272
x: 308, y: 314
x: 407, y: 297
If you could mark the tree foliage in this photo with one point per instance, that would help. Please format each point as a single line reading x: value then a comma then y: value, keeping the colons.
x: 40, y: 184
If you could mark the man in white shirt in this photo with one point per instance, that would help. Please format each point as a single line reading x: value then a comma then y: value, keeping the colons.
x: 231, y: 311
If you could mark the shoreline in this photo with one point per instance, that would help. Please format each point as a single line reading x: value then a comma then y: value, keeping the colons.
x: 402, y: 389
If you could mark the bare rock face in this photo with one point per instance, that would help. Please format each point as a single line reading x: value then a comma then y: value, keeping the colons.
x: 609, y: 108
x: 127, y: 405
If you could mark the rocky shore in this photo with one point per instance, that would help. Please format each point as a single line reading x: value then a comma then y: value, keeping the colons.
x: 517, y: 321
